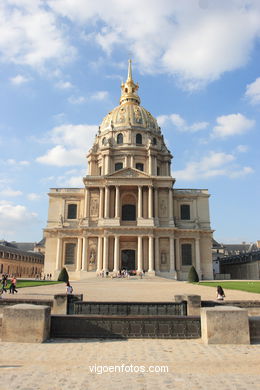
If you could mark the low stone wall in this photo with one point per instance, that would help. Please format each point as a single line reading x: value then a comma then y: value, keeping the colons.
x: 15, y: 301
x: 254, y: 329
x: 253, y: 307
x: 169, y: 327
x: 131, y: 308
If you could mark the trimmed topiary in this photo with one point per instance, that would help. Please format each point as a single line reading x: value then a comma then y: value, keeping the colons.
x: 193, y: 276
x: 63, y: 276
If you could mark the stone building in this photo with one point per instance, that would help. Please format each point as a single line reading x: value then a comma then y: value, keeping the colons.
x: 15, y: 259
x: 128, y: 216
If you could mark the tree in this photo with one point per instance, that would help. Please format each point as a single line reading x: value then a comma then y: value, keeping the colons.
x: 63, y: 276
x: 193, y: 276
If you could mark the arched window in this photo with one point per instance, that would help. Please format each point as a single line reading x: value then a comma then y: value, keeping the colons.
x: 138, y: 139
x: 128, y: 212
x: 139, y: 166
x: 185, y: 211
x: 72, y: 211
x: 119, y: 138
x: 118, y: 166
x: 154, y: 141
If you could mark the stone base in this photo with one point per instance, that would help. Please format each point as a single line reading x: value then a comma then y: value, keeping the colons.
x: 25, y: 323
x: 193, y: 303
x: 225, y: 325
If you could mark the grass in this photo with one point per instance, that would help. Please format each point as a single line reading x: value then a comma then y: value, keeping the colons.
x: 32, y: 283
x: 253, y: 287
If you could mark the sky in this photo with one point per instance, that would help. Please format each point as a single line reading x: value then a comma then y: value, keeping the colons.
x: 197, y: 63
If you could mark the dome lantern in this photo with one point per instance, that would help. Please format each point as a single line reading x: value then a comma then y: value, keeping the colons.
x: 129, y: 89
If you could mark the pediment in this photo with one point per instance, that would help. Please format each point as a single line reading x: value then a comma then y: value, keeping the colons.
x: 129, y: 172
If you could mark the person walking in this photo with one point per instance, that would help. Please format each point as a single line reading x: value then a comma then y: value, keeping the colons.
x: 220, y: 293
x: 12, y: 288
x: 4, y: 283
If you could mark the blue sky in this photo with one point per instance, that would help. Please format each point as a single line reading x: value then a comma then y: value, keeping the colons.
x: 197, y: 64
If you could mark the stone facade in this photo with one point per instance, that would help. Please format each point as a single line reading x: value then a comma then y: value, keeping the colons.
x: 128, y: 215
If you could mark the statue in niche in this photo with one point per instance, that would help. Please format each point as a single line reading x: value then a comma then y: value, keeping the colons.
x: 163, y: 207
x: 60, y: 223
x: 138, y: 116
x: 92, y: 257
x: 163, y: 258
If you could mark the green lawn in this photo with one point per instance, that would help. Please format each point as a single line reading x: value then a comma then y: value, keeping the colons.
x: 253, y: 287
x: 33, y: 283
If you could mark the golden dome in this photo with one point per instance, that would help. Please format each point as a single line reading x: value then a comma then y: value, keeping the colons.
x: 129, y: 114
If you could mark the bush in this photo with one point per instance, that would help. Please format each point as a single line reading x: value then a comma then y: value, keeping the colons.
x: 193, y: 276
x: 63, y: 276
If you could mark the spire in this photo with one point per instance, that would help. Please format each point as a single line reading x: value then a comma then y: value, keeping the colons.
x: 129, y: 88
x: 129, y: 75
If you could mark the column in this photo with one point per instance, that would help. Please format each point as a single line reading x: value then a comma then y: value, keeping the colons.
x: 105, y: 254
x: 132, y: 161
x: 101, y: 202
x: 126, y: 159
x: 107, y: 193
x: 99, y: 255
x: 86, y: 206
x: 170, y: 207
x: 150, y: 164
x: 150, y: 202
x: 156, y: 203
x: 197, y: 256
x: 79, y: 254
x: 151, y: 255
x: 117, y: 203
x: 84, y: 255
x: 58, y: 254
x: 140, y: 254
x: 172, y: 258
x: 157, y: 255
x: 178, y: 259
x: 116, y: 254
x: 140, y: 202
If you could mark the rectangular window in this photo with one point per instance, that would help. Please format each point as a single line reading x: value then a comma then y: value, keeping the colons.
x: 186, y: 254
x: 72, y: 211
x: 70, y: 250
x: 185, y: 211
x: 118, y: 166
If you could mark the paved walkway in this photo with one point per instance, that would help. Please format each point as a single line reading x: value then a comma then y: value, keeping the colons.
x: 133, y: 289
x: 191, y: 365
x: 59, y: 365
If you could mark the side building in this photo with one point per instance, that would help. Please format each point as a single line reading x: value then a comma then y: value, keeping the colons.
x: 128, y: 215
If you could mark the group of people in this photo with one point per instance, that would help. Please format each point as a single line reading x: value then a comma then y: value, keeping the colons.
x: 120, y: 274
x: 12, y: 287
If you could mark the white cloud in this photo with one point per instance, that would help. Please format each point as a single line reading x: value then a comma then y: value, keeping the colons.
x: 13, y: 162
x: 19, y: 79
x: 181, y: 123
x: 242, y: 148
x: 233, y: 124
x: 30, y: 34
x: 100, y: 95
x: 212, y: 165
x: 13, y: 218
x: 253, y: 91
x: 72, y: 143
x: 194, y: 42
x: 64, y: 84
x: 33, y: 196
x: 9, y: 192
x: 77, y: 99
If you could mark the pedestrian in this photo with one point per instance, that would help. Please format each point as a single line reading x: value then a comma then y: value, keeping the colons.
x: 69, y: 288
x: 4, y: 282
x: 12, y: 288
x: 220, y: 293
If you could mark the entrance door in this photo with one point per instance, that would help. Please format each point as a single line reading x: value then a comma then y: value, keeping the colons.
x: 128, y: 259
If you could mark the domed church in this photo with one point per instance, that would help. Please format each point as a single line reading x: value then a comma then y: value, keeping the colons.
x: 128, y: 216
